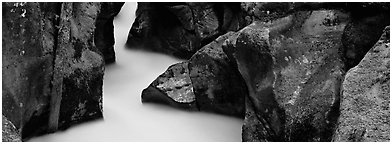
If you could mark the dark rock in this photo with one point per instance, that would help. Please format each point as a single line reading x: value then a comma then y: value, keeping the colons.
x: 360, y: 34
x: 180, y: 29
x: 364, y: 108
x: 9, y: 131
x: 212, y: 83
x: 216, y: 83
x: 173, y: 87
x: 251, y: 53
x: 78, y: 70
x: 104, y: 29
x: 52, y: 72
x: 293, y: 70
x: 29, y: 35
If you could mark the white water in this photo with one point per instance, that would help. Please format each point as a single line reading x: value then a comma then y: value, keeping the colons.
x: 127, y: 119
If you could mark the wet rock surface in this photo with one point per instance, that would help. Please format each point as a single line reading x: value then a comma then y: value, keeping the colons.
x: 104, y: 29
x: 180, y: 29
x: 52, y: 72
x: 364, y: 108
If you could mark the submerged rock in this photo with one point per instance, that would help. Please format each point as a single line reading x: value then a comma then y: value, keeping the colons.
x: 9, y: 131
x: 104, y: 29
x: 52, y: 72
x: 180, y: 29
x: 364, y: 108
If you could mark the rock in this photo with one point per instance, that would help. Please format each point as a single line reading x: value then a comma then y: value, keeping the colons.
x: 9, y: 131
x: 250, y: 51
x: 216, y: 83
x: 78, y: 70
x: 211, y: 84
x: 293, y: 69
x: 104, y: 29
x: 52, y: 72
x: 173, y: 87
x: 27, y: 64
x: 180, y: 29
x: 364, y: 105
x: 360, y: 34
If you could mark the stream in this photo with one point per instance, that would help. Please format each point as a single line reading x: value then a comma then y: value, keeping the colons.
x: 126, y: 118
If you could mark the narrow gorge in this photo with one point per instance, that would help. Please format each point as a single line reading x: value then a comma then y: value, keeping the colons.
x: 196, y: 71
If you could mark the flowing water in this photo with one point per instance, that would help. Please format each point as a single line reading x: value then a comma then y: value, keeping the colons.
x: 127, y: 119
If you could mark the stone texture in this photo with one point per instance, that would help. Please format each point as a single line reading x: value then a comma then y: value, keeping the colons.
x: 52, y: 71
x: 9, y: 131
x: 104, y: 31
x: 293, y: 70
x: 217, y: 84
x: 173, y: 87
x: 180, y: 29
x: 364, y: 108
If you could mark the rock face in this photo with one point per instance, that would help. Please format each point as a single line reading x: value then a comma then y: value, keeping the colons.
x: 9, y: 131
x: 364, y: 107
x: 293, y: 70
x: 180, y: 29
x: 104, y: 31
x: 52, y: 71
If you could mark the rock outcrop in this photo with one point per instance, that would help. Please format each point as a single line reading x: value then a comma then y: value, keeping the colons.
x: 180, y: 29
x: 364, y: 104
x: 52, y: 71
x: 292, y: 63
x: 104, y: 29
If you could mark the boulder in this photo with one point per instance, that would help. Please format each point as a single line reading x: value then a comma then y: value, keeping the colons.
x: 217, y: 84
x: 208, y: 81
x: 104, y: 29
x: 293, y: 69
x: 9, y: 131
x: 365, y: 100
x: 173, y: 87
x: 52, y: 71
x: 180, y: 29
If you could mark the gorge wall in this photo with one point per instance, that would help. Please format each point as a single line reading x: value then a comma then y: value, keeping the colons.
x: 293, y: 71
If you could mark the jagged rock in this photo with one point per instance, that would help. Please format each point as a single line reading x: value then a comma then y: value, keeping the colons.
x: 180, y: 29
x: 9, y: 131
x: 294, y: 93
x: 52, y: 72
x: 216, y: 83
x: 364, y: 108
x: 173, y: 87
x: 104, y: 31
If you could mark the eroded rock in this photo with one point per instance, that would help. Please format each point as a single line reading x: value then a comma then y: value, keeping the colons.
x: 180, y: 29
x: 293, y: 70
x: 104, y: 29
x: 364, y: 108
x: 52, y: 72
